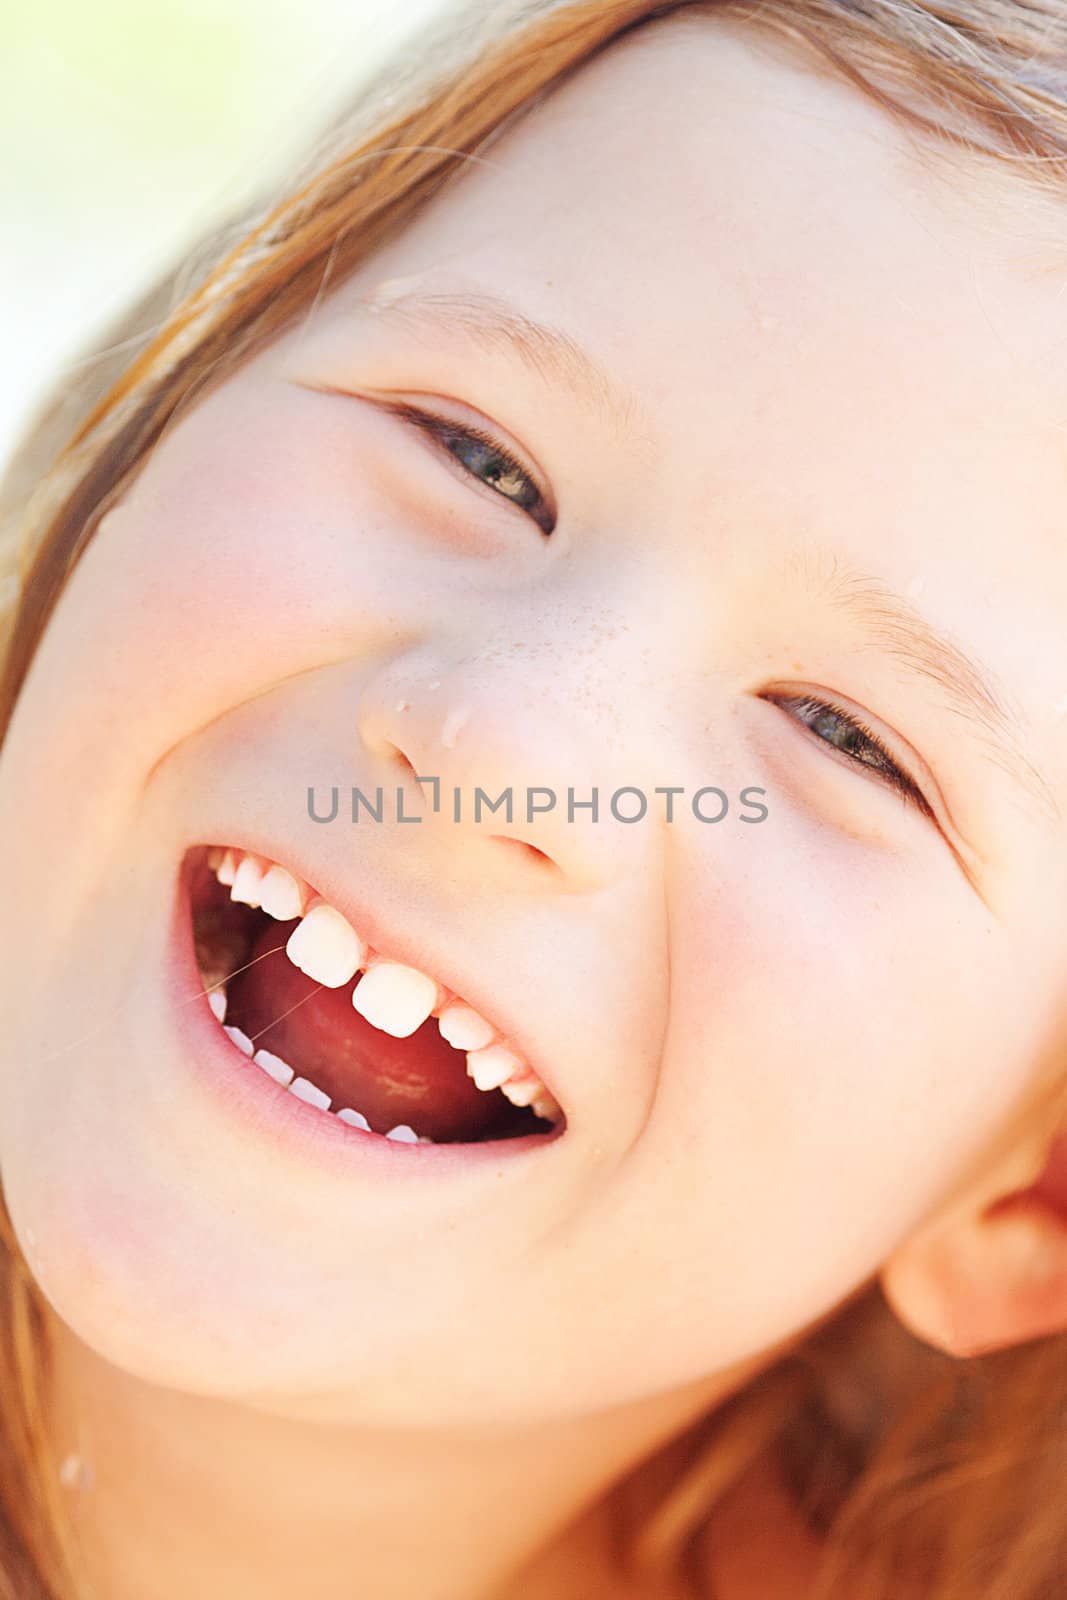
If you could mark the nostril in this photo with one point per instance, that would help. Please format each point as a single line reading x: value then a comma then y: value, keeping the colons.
x: 399, y: 759
x: 538, y: 857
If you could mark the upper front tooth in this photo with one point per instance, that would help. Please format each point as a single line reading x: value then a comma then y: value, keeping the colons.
x: 226, y: 869
x: 395, y: 998
x: 326, y: 946
x: 247, y: 881
x: 279, y: 894
x: 492, y: 1066
x: 464, y: 1029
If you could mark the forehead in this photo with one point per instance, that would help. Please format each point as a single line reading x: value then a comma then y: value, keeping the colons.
x: 847, y: 342
x: 776, y: 188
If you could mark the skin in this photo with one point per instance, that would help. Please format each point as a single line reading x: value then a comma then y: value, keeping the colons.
x: 789, y: 1053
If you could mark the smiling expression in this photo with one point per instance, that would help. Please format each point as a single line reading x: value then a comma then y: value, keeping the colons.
x: 811, y: 374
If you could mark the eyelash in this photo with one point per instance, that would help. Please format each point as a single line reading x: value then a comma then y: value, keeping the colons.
x: 885, y: 767
x: 442, y: 428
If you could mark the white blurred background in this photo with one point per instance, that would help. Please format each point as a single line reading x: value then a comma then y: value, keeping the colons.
x: 127, y: 129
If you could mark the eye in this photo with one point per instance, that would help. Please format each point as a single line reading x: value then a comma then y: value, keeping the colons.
x: 844, y: 732
x: 484, y: 458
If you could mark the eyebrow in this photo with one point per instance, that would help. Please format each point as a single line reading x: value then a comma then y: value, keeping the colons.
x: 548, y: 352
x: 973, y: 693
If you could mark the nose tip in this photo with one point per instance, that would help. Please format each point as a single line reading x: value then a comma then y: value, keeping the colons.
x: 436, y: 784
x: 498, y: 770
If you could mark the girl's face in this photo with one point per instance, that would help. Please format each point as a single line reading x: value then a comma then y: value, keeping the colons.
x: 791, y: 448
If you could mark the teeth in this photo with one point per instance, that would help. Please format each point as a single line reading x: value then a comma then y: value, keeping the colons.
x: 492, y: 1066
x: 463, y: 1028
x: 395, y: 998
x: 326, y: 946
x: 523, y: 1091
x: 548, y: 1107
x: 246, y: 882
x: 274, y: 1067
x: 310, y: 1092
x: 279, y: 894
x: 356, y: 1118
x: 391, y: 996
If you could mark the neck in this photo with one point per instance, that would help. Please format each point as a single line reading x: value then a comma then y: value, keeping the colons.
x: 172, y: 1494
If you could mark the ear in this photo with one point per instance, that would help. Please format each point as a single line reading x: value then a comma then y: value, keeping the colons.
x: 992, y: 1272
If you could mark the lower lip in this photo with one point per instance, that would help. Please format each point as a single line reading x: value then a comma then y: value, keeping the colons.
x: 273, y: 1113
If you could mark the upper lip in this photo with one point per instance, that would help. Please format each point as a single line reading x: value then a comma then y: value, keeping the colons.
x: 398, y: 945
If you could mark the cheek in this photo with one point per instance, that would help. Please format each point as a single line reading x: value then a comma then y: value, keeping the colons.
x: 842, y: 1043
x: 249, y: 549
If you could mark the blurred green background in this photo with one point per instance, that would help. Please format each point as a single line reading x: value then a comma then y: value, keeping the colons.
x: 128, y: 128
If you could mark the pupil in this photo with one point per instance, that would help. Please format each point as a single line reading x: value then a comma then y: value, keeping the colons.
x: 492, y: 466
x: 838, y: 733
x: 498, y: 474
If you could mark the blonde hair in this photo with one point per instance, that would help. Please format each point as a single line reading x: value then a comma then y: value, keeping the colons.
x: 910, y: 1464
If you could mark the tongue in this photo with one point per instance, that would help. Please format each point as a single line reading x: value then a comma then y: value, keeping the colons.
x: 420, y: 1080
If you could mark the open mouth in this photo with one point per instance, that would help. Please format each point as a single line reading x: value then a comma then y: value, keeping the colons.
x: 360, y: 1036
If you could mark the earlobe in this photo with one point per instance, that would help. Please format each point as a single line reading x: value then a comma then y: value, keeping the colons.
x: 993, y: 1273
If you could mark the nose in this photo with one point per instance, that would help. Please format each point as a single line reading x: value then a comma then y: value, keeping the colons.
x: 531, y: 752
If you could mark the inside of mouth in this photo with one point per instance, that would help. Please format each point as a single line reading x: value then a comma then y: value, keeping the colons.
x: 419, y: 1083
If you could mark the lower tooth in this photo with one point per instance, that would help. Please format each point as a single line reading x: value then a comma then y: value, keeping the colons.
x: 275, y: 1067
x: 282, y: 1073
x: 310, y: 1092
x: 355, y: 1118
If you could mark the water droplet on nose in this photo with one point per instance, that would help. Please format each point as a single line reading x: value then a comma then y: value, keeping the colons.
x: 452, y: 725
